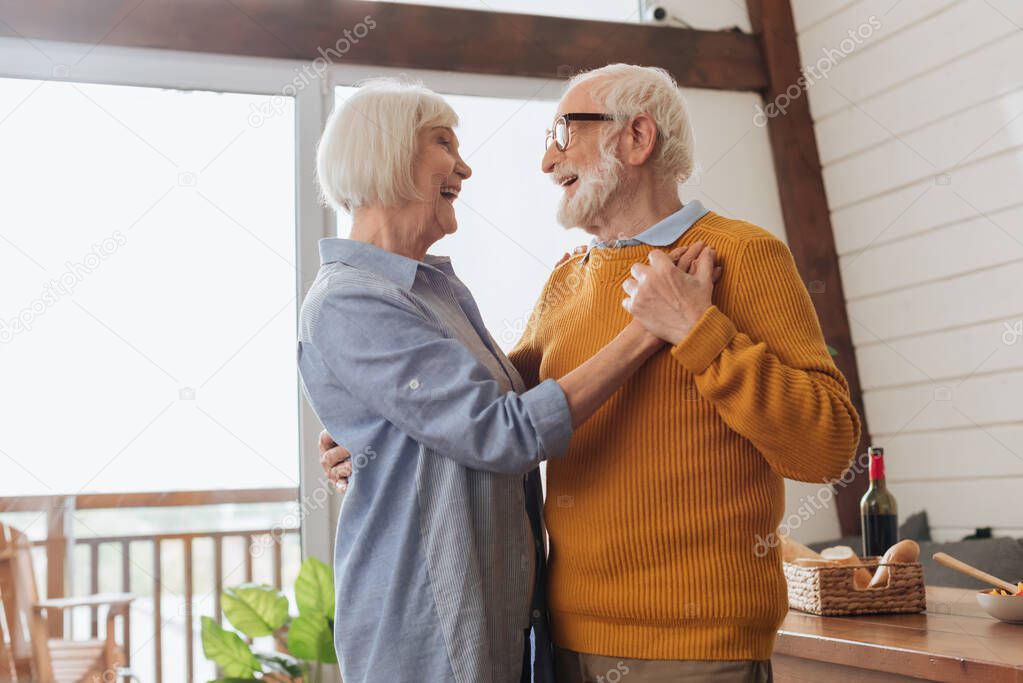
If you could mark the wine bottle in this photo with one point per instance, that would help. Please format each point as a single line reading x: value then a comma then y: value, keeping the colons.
x: 878, y: 511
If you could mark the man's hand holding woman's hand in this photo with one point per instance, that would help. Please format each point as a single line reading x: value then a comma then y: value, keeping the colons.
x: 668, y: 295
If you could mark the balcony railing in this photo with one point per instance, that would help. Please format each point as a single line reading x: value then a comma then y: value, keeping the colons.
x: 61, y: 570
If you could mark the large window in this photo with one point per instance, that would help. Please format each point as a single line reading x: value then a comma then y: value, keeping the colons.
x: 148, y: 302
x: 148, y: 244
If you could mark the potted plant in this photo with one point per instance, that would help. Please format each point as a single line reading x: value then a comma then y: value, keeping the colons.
x: 304, y: 643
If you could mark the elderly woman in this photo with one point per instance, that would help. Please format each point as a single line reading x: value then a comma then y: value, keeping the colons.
x: 435, y: 552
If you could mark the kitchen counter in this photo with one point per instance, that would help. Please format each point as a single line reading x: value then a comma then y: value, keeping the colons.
x: 954, y: 640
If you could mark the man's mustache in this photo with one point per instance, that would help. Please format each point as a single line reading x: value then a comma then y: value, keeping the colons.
x: 562, y: 173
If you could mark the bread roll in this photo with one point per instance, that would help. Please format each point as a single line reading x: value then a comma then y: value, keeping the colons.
x: 843, y: 554
x: 861, y: 578
x: 903, y: 551
x: 812, y: 562
x: 793, y: 550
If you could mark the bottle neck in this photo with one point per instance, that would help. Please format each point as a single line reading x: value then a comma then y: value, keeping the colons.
x: 877, y: 472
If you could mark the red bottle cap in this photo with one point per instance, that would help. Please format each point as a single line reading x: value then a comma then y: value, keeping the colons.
x: 876, y: 463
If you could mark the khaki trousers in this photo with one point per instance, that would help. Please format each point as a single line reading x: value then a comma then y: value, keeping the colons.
x: 578, y: 667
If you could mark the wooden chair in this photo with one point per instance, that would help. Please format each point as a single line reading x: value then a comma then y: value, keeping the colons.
x: 27, y: 653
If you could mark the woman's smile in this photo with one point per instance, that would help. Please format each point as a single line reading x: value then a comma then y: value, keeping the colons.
x: 450, y: 192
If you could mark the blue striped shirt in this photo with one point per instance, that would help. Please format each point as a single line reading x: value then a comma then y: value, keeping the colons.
x: 436, y: 549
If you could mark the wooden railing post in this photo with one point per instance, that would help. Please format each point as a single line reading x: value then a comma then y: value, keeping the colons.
x: 189, y: 623
x: 60, y: 545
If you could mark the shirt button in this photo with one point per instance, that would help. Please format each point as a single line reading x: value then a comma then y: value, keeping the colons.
x: 414, y: 384
x: 536, y: 614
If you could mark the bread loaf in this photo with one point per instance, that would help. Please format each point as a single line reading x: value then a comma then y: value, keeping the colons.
x: 903, y: 551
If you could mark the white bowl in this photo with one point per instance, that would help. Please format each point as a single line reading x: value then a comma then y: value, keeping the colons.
x: 1005, y: 607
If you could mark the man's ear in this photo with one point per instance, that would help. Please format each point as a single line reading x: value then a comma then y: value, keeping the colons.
x: 642, y: 139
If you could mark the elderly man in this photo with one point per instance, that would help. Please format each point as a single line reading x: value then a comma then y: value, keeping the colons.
x: 654, y: 515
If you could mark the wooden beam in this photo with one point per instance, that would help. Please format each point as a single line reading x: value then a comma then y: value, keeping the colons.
x: 393, y: 35
x: 805, y: 209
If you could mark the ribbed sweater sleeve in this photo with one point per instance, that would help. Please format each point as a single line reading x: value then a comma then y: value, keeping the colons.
x: 527, y: 353
x: 767, y: 371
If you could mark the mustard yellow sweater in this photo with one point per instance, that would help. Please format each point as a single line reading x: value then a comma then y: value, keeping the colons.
x: 658, y: 513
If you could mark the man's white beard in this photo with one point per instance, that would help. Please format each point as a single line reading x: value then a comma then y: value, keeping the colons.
x: 596, y: 188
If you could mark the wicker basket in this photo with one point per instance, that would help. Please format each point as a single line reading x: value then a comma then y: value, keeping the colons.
x: 829, y: 591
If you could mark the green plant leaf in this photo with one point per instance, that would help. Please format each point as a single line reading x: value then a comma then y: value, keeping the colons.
x: 281, y: 663
x: 255, y: 610
x: 310, y: 638
x: 314, y: 589
x: 228, y: 650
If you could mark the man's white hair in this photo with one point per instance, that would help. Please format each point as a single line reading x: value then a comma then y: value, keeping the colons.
x: 366, y: 153
x: 626, y: 90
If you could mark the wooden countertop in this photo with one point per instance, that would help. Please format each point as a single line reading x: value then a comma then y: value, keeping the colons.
x: 953, y: 641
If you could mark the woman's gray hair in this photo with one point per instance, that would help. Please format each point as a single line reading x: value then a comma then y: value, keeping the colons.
x: 627, y: 90
x: 365, y: 155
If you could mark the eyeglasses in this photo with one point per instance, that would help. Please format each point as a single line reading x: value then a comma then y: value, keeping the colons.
x: 560, y: 136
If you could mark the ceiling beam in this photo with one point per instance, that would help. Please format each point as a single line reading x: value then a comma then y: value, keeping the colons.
x: 804, y: 206
x: 389, y: 34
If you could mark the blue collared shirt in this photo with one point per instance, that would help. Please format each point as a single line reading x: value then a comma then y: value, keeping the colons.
x: 660, y: 234
x: 436, y: 547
